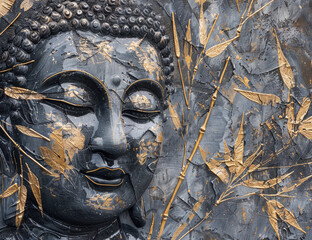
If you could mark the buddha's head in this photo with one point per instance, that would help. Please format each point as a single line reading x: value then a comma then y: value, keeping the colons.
x: 88, y: 107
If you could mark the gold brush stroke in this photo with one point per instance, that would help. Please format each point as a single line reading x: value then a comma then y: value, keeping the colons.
x: 151, y: 228
x: 10, y: 23
x: 17, y: 65
x: 104, y: 185
x: 115, y: 169
x: 5, y: 7
x: 21, y: 150
x: 183, y: 172
x: 178, y: 54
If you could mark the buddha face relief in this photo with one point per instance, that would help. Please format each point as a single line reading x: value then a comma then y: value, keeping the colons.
x: 102, y: 119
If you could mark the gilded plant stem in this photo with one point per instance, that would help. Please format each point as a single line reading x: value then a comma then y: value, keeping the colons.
x: 237, y: 3
x: 22, y: 151
x: 151, y: 228
x: 205, y: 218
x: 200, y: 56
x: 183, y: 86
x: 21, y: 64
x: 10, y: 23
x: 183, y: 172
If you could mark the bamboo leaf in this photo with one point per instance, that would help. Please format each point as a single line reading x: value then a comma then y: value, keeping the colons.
x: 35, y: 188
x: 239, y: 144
x: 290, y: 115
x: 286, y: 215
x: 30, y: 132
x: 260, y: 98
x: 10, y: 191
x: 202, y: 153
x: 252, y: 183
x: 22, y: 94
x: 284, y: 67
x: 229, y: 161
x: 174, y: 116
x: 175, y: 37
x: 305, y: 128
x: 5, y: 6
x: 219, y: 48
x: 273, y: 217
x: 295, y: 184
x: 202, y: 26
x: 22, y: 196
x: 220, y: 171
x: 188, y: 32
x: 306, y: 102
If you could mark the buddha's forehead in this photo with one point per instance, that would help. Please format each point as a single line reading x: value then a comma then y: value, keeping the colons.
x: 104, y: 57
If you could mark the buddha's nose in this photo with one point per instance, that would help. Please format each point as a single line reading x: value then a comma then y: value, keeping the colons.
x: 110, y: 139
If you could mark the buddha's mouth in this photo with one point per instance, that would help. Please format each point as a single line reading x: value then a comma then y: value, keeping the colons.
x: 106, y: 177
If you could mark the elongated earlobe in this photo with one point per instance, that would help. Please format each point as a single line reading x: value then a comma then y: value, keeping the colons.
x: 137, y: 214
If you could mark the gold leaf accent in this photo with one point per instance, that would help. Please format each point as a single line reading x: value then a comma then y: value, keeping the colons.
x: 188, y: 32
x: 286, y: 215
x: 305, y: 128
x: 10, y: 191
x: 175, y: 37
x: 229, y: 161
x: 30, y: 132
x: 202, y: 26
x: 22, y: 196
x: 295, y: 184
x: 35, y: 187
x: 306, y: 102
x: 239, y: 144
x: 217, y: 168
x: 22, y: 93
x: 284, y: 67
x: 219, y: 48
x: 174, y: 116
x: 252, y: 183
x: 26, y: 5
x: 290, y: 115
x: 188, y: 50
x: 273, y: 217
x: 260, y: 98
x: 5, y: 6
x: 202, y: 153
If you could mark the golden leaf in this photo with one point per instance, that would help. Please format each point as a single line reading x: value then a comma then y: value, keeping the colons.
x: 202, y: 26
x: 229, y: 161
x: 175, y: 37
x: 239, y: 144
x: 285, y: 214
x: 219, y: 48
x: 188, y: 32
x: 290, y: 115
x: 217, y: 168
x: 284, y: 67
x: 306, y: 102
x: 30, y: 132
x: 305, y: 128
x: 273, y: 217
x: 295, y: 184
x: 22, y: 196
x: 202, y: 153
x: 22, y: 93
x: 5, y: 6
x: 10, y: 191
x: 252, y: 183
x: 26, y: 5
x: 174, y: 116
x: 260, y: 98
x: 35, y: 187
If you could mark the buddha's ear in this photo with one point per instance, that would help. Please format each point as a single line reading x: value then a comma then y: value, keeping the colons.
x: 137, y: 214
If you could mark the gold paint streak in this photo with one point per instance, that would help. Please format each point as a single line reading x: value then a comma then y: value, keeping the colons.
x: 21, y: 150
x: 183, y: 87
x: 151, y: 228
x: 104, y: 185
x: 175, y: 36
x: 17, y: 65
x: 183, y: 172
x: 10, y: 23
x: 202, y: 26
x: 115, y: 169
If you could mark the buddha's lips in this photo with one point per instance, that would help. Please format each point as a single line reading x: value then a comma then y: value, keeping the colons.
x: 105, y: 176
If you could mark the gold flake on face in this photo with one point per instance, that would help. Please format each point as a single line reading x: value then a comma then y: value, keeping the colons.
x: 73, y: 91
x: 141, y: 102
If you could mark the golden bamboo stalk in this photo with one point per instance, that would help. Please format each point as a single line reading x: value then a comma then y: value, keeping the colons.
x: 183, y: 172
x: 10, y: 23
x: 21, y: 150
x: 178, y: 55
x: 237, y: 3
x: 151, y: 228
